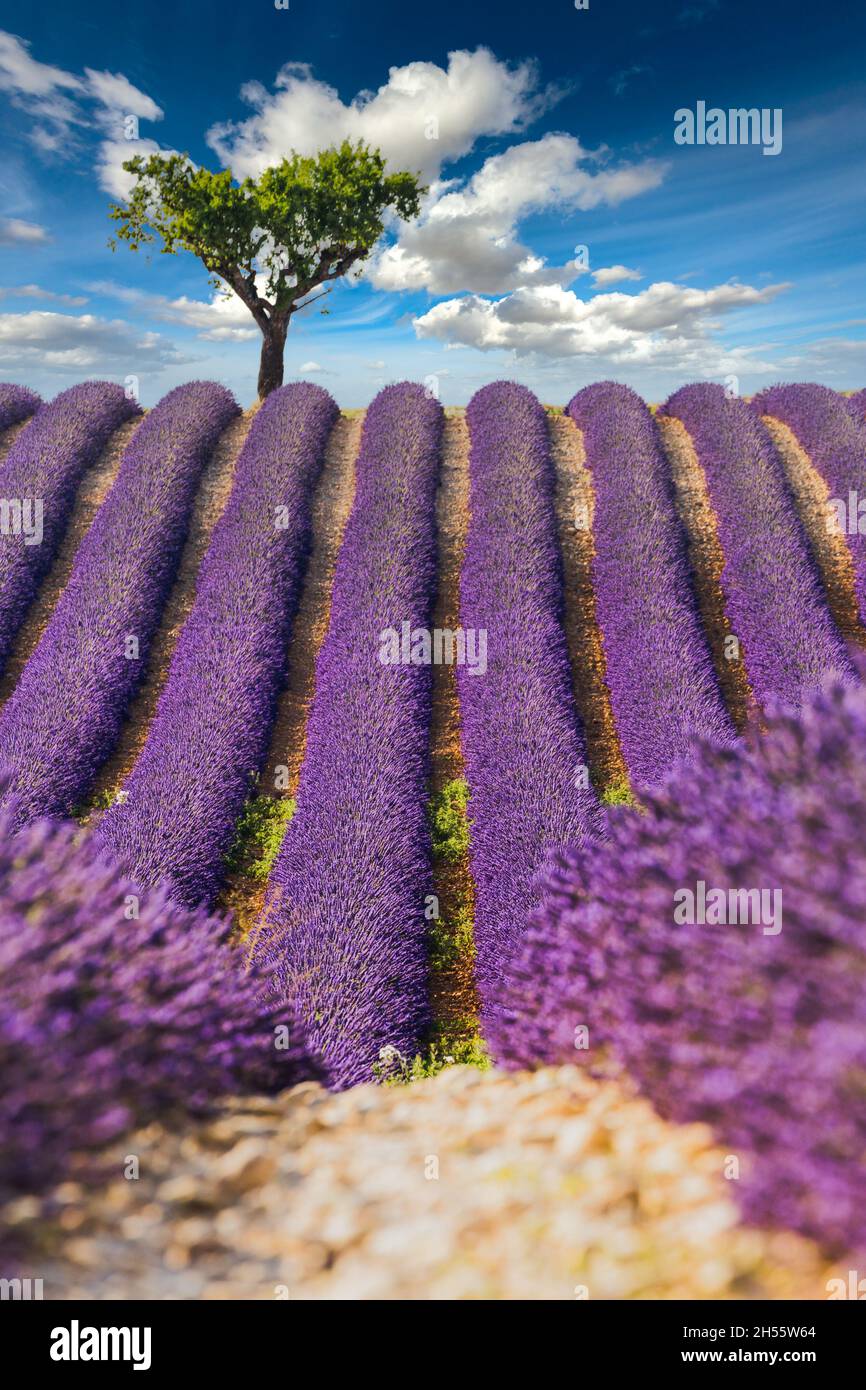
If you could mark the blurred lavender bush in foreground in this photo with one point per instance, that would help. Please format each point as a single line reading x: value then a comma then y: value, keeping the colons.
x: 762, y: 1036
x: 108, y: 1020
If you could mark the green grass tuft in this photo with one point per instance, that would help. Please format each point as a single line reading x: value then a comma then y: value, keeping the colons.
x: 451, y: 940
x: 449, y: 827
x: 464, y: 1048
x: 99, y: 801
x: 258, y: 835
x: 619, y: 793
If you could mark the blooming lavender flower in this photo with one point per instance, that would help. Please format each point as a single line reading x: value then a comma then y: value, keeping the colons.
x: 770, y: 581
x: 759, y: 1032
x: 16, y: 404
x: 46, y: 463
x: 117, y: 1007
x: 663, y: 689
x: 346, y: 926
x: 836, y: 446
x: 522, y: 738
x: 856, y: 406
x: 63, y: 717
x: 211, y: 727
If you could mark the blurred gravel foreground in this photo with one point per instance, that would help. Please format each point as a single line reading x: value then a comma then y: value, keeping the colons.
x: 469, y: 1185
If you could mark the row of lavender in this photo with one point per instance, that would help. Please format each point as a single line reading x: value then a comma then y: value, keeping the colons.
x: 347, y: 922
x: 63, y: 718
x: 363, y: 971
x: 770, y: 581
x: 659, y: 670
x: 44, y: 467
x: 832, y: 432
x: 175, y: 1021
x: 16, y: 404
x: 522, y: 740
x: 210, y: 732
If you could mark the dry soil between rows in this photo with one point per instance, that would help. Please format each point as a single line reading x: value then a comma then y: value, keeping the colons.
x: 332, y: 503
x: 707, y: 562
x: 574, y: 511
x: 454, y: 998
x: 830, y: 550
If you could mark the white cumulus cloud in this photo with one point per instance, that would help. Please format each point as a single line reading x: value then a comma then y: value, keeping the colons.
x: 423, y: 117
x: 663, y: 324
x: 614, y: 275
x: 80, y: 343
x: 467, y: 238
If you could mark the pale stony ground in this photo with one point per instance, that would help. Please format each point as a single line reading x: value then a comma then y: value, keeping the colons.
x: 470, y: 1185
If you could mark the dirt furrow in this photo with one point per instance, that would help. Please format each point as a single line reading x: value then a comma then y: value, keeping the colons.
x: 212, y: 496
x: 707, y: 561
x: 454, y: 999
x: 91, y: 493
x: 832, y: 555
x: 574, y: 511
x: 244, y: 895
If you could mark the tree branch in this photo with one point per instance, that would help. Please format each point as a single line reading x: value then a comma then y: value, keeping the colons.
x: 244, y: 288
x: 296, y: 307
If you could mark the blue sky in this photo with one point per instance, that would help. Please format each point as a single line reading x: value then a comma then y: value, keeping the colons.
x: 539, y: 128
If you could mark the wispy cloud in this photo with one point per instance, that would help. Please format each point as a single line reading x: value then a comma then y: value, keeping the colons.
x: 223, y: 318
x: 625, y: 77
x: 65, y: 107
x: 16, y: 232
x: 696, y: 11
x: 74, y: 301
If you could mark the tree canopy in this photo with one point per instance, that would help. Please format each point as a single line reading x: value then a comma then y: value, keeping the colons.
x: 273, y: 240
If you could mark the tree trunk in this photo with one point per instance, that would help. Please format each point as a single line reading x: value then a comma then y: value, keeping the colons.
x: 271, y: 362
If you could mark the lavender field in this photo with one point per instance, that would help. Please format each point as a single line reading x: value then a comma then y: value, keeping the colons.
x: 200, y: 911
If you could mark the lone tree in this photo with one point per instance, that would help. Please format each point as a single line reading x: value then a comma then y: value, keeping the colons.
x: 274, y: 240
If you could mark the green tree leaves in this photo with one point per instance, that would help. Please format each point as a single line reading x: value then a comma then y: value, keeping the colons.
x: 273, y: 240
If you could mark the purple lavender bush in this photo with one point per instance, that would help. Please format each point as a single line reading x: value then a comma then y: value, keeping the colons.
x: 663, y: 689
x: 757, y: 1027
x: 116, y: 1008
x: 64, y: 716
x: 836, y: 446
x: 17, y: 403
x: 212, y: 725
x: 345, y: 921
x: 522, y: 739
x: 770, y: 581
x: 856, y: 406
x: 45, y: 464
